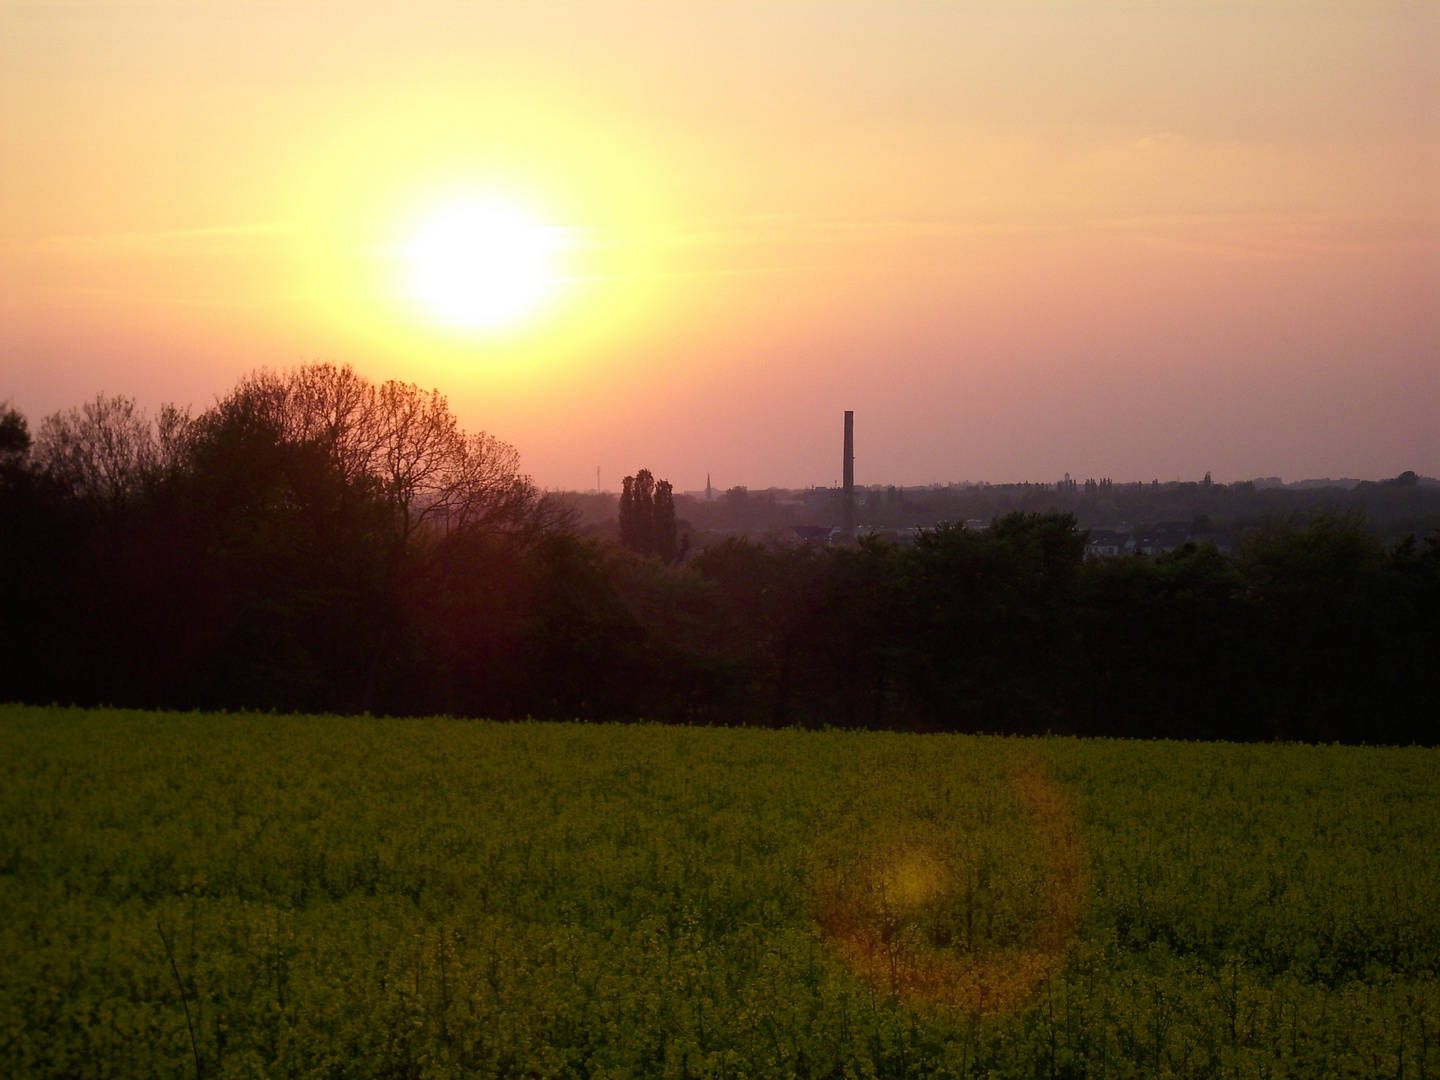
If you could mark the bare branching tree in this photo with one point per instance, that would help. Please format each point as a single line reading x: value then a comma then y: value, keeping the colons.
x: 330, y: 406
x: 434, y: 478
x: 109, y: 449
x: 105, y: 449
x: 175, y: 432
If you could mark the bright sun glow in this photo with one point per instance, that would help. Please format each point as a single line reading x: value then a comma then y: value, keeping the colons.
x: 481, y: 265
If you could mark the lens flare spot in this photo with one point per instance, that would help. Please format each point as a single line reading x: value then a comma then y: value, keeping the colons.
x: 937, y: 917
x: 911, y: 882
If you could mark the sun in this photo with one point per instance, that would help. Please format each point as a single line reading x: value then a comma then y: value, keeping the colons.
x: 481, y: 265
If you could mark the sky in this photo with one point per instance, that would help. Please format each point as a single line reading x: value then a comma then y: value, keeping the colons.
x: 1134, y: 239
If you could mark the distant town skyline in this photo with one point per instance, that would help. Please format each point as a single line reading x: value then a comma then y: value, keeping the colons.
x: 1262, y: 482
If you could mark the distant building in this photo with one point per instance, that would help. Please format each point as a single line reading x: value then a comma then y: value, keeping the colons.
x: 1166, y: 536
x: 1109, y: 542
x: 1173, y: 535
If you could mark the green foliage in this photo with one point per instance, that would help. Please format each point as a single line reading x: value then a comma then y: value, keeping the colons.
x: 436, y: 898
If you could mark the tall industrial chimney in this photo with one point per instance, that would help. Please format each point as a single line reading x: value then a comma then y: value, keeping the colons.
x: 849, y: 473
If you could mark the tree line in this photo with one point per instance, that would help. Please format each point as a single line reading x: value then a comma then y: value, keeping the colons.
x: 319, y: 542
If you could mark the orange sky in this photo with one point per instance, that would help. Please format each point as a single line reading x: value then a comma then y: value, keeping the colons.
x: 1127, y: 239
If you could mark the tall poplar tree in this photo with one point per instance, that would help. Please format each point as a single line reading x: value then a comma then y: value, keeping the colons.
x: 647, y: 516
x: 664, y: 529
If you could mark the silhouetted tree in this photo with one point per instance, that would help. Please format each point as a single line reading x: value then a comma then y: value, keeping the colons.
x: 15, y: 446
x: 1171, y: 647
x: 14, y: 436
x: 768, y: 603
x: 637, y: 512
x: 647, y: 517
x: 104, y: 450
x: 1325, y: 592
x: 664, y: 527
x: 400, y: 469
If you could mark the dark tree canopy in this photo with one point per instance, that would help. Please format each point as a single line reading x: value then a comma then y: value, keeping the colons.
x: 318, y: 541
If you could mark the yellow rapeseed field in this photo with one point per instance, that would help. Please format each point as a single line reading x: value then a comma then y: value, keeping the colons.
x: 251, y: 895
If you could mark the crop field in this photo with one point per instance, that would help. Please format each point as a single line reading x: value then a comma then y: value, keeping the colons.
x: 189, y: 895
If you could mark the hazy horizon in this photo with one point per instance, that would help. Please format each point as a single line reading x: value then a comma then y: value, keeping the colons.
x: 1133, y: 240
